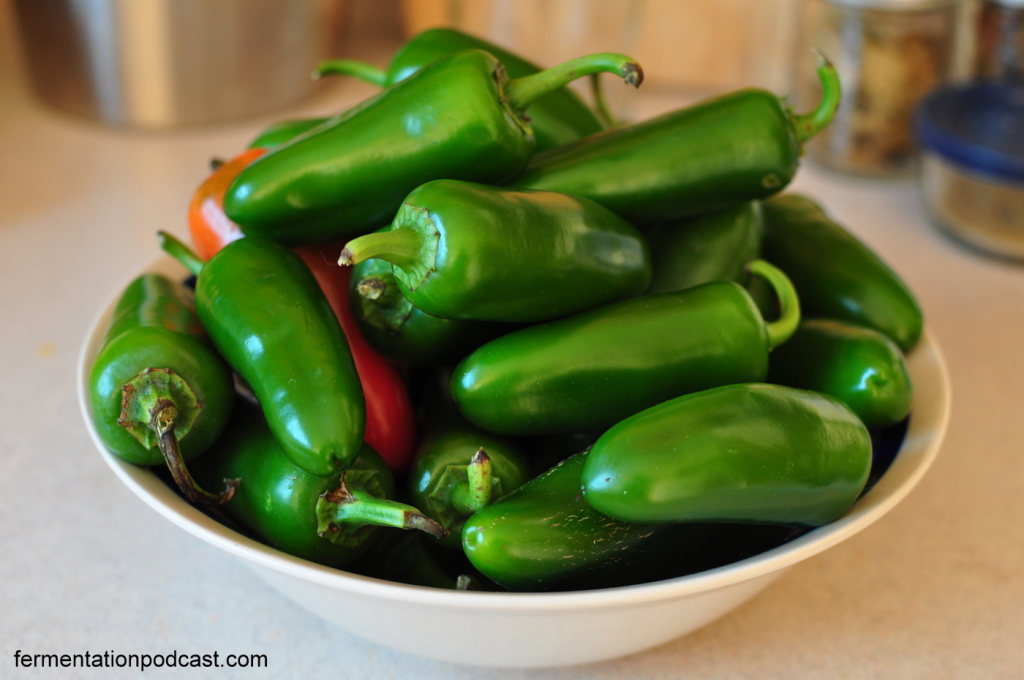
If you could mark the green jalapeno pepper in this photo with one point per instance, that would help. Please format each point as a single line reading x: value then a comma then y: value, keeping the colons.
x: 716, y: 246
x: 739, y: 147
x: 836, y: 275
x: 469, y: 251
x: 459, y: 470
x: 268, y: 317
x: 284, y: 132
x: 859, y: 366
x: 592, y: 370
x: 401, y: 332
x: 159, y: 392
x: 545, y: 536
x: 330, y: 520
x: 459, y: 117
x: 740, y: 453
x: 557, y: 118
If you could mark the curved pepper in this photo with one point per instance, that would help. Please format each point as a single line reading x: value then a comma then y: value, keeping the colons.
x: 557, y: 118
x: 404, y: 334
x: 469, y: 251
x: 592, y: 370
x: 741, y: 453
x: 545, y: 536
x: 836, y: 275
x: 716, y: 246
x: 330, y: 520
x: 859, y: 366
x: 459, y: 118
x: 739, y: 147
x: 269, y: 319
x: 158, y: 391
x: 390, y: 422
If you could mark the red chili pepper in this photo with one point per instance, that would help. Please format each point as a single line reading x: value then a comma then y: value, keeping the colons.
x: 390, y: 422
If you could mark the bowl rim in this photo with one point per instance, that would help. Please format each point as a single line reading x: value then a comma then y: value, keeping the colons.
x: 927, y: 428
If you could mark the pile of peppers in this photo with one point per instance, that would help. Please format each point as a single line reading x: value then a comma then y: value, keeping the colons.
x: 558, y: 351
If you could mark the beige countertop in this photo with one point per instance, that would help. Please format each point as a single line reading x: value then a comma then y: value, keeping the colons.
x: 934, y: 590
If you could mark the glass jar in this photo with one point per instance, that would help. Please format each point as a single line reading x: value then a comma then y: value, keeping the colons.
x: 999, y: 53
x: 972, y: 175
x: 889, y: 53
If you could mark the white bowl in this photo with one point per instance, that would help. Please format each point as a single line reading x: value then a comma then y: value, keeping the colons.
x: 538, y: 629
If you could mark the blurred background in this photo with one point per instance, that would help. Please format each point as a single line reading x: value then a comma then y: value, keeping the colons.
x: 163, y: 63
x: 110, y: 111
x: 138, y: 60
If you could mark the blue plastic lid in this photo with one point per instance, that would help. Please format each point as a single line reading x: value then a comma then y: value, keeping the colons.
x: 977, y: 126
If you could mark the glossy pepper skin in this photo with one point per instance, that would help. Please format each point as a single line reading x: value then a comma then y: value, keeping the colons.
x: 589, y: 371
x: 390, y: 422
x: 716, y: 246
x: 544, y: 536
x: 459, y: 118
x: 269, y: 319
x: 441, y: 479
x: 558, y: 118
x: 836, y: 275
x: 859, y: 366
x: 284, y: 506
x: 462, y: 250
x: 739, y: 147
x: 404, y: 334
x: 208, y: 226
x: 752, y: 453
x: 156, y: 351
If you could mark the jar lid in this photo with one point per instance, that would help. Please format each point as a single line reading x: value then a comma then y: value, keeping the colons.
x: 895, y: 5
x: 979, y: 126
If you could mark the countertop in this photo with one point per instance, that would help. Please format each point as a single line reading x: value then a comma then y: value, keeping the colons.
x: 933, y: 590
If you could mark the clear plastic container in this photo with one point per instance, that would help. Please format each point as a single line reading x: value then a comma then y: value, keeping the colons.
x: 972, y: 175
x: 889, y: 53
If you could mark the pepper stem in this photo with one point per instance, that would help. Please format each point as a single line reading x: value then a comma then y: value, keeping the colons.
x: 479, y: 476
x: 789, y: 304
x: 401, y: 247
x: 472, y: 486
x: 381, y: 291
x: 180, y: 252
x: 162, y: 423
x: 351, y: 67
x: 522, y: 92
x: 604, y: 111
x: 809, y: 124
x: 157, y: 407
x: 355, y: 506
x: 371, y: 288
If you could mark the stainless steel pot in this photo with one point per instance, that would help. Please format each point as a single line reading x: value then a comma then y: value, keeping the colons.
x: 162, y: 63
